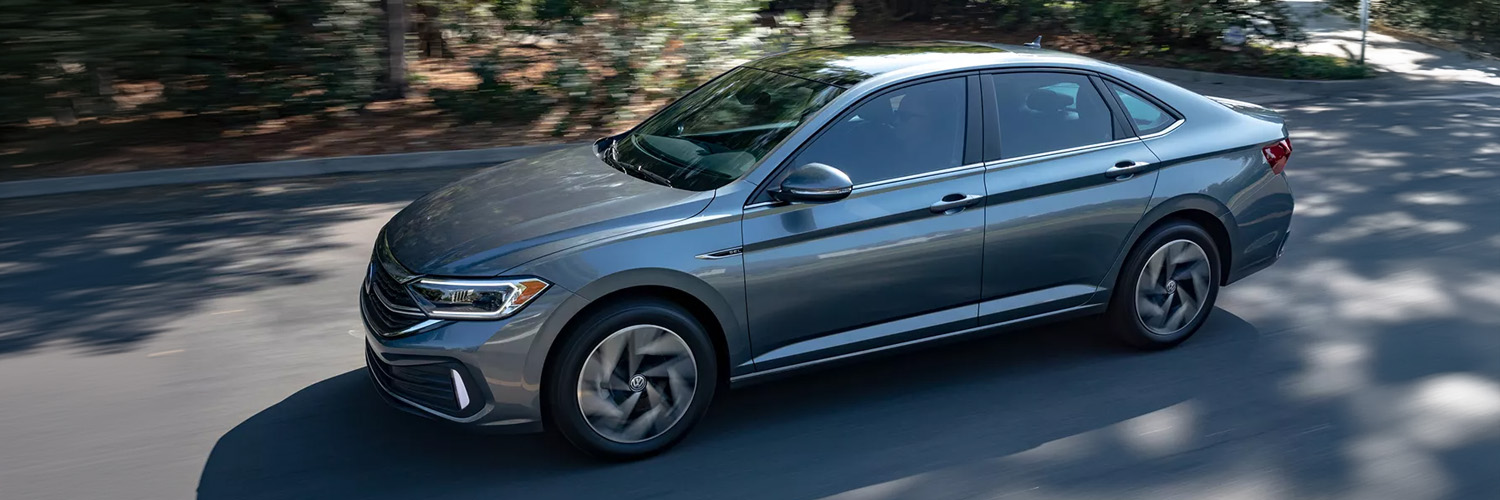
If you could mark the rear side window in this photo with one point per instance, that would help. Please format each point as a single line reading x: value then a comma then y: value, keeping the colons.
x: 907, y: 131
x: 1045, y: 112
x: 1147, y: 117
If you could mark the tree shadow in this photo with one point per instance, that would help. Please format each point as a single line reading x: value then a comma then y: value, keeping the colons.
x: 1366, y: 374
x: 928, y: 411
x: 105, y: 271
x: 1390, y: 283
x: 1370, y: 370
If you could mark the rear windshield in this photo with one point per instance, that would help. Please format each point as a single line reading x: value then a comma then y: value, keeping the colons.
x: 719, y: 131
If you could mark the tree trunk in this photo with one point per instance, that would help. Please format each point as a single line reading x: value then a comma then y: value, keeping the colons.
x: 395, y: 37
x: 429, y: 30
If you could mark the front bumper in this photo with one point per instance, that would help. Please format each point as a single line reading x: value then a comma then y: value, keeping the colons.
x: 432, y: 386
x: 483, y: 374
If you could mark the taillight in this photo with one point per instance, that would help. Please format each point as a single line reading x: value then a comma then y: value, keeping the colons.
x: 1277, y: 154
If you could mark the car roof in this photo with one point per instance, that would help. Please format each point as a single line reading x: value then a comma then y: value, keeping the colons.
x: 848, y: 65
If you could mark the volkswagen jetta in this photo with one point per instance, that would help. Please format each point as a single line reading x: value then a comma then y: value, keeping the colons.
x: 814, y: 206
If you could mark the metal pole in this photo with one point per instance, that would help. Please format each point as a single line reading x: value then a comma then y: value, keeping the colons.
x: 1364, y: 28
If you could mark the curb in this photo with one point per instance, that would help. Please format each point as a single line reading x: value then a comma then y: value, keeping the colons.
x: 274, y: 169
x: 1313, y: 87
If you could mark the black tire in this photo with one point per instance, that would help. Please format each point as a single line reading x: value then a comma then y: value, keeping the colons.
x: 562, y: 392
x: 1125, y: 318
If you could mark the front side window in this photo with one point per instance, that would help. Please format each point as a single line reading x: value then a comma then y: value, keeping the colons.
x: 1147, y: 117
x: 1044, y: 112
x: 907, y: 131
x: 715, y: 134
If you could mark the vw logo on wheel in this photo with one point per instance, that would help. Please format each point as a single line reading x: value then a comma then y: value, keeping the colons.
x: 638, y: 383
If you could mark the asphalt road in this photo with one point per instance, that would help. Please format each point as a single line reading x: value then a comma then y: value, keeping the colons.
x: 174, y: 342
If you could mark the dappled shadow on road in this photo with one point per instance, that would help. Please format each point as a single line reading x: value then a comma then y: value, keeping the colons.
x: 1391, y: 286
x: 1039, y: 407
x: 105, y: 271
x: 1364, y: 365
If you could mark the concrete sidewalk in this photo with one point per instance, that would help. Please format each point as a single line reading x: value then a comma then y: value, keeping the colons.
x: 1332, y: 34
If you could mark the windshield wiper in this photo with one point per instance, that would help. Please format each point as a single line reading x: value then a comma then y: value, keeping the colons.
x: 614, y: 154
x: 653, y: 175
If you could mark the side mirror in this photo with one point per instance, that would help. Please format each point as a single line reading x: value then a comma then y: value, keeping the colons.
x: 814, y: 183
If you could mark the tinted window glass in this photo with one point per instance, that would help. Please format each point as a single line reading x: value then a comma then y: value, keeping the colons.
x: 716, y: 133
x: 1042, y: 112
x: 903, y: 132
x: 1148, y: 118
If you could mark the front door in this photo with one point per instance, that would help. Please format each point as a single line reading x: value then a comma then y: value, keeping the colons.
x: 889, y: 263
x: 1068, y: 185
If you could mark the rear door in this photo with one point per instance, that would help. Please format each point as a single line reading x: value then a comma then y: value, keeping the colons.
x: 1067, y: 181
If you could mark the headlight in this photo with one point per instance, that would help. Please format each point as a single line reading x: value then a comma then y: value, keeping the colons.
x: 475, y: 299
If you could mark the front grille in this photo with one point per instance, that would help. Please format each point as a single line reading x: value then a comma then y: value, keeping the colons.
x: 427, y: 382
x: 390, y: 289
x: 388, y: 309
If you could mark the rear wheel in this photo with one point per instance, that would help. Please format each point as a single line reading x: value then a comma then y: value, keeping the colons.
x: 632, y: 379
x: 1167, y: 288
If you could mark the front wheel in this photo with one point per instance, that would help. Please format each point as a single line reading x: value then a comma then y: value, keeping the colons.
x: 632, y: 379
x: 1167, y: 287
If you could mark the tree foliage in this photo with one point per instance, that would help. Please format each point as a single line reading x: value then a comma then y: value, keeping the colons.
x: 80, y: 58
x: 73, y: 57
x: 608, y: 52
x: 1473, y: 22
x: 1182, y: 23
x: 1189, y: 23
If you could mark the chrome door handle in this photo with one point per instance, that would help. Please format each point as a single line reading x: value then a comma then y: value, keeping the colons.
x: 955, y: 203
x: 1126, y: 168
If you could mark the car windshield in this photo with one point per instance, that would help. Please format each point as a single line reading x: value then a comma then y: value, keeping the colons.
x: 719, y: 131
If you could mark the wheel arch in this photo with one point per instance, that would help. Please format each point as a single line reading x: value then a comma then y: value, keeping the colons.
x: 698, y: 298
x: 1199, y: 209
x: 1216, y: 228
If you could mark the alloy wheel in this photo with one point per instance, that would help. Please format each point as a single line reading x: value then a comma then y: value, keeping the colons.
x: 637, y: 383
x: 1173, y: 286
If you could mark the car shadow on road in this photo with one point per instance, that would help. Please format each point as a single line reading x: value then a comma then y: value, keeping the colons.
x: 917, y: 416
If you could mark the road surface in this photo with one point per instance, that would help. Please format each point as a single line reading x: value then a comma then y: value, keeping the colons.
x: 203, y: 341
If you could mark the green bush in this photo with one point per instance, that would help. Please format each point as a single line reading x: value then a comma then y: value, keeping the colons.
x: 1288, y: 63
x: 1182, y: 23
x: 1473, y: 22
x: 208, y: 57
x: 1023, y: 13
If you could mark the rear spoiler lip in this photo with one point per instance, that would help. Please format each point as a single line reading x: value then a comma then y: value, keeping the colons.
x: 1251, y: 110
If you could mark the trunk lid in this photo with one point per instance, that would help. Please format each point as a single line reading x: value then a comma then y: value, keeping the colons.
x: 1255, y: 111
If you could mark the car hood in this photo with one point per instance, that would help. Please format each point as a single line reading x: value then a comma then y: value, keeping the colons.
x: 509, y: 214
